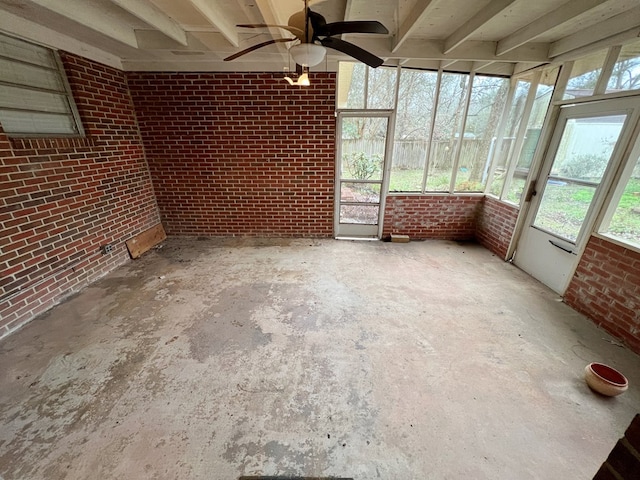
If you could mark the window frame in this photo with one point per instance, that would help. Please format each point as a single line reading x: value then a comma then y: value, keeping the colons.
x: 56, y: 68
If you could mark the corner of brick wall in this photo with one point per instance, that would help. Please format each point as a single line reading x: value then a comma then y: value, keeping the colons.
x: 496, y: 224
x: 623, y: 463
x: 239, y: 153
x: 62, y: 198
x: 606, y: 288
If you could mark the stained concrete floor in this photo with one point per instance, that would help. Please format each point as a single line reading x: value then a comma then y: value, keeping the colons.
x: 216, y: 358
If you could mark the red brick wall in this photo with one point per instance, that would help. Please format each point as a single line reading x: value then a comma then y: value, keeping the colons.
x: 239, y: 153
x: 61, y: 199
x: 496, y: 223
x: 606, y: 288
x: 451, y: 217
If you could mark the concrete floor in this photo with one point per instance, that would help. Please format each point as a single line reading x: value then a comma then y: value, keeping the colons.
x: 213, y: 359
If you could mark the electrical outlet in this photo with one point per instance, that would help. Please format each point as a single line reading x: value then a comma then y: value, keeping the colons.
x: 107, y: 248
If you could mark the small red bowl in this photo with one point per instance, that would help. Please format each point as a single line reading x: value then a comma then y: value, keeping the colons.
x: 605, y: 379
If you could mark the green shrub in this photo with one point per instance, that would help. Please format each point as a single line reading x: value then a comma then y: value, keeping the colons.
x: 362, y: 166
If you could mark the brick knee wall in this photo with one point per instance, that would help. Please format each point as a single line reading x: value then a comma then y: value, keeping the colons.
x: 606, y: 288
x: 623, y: 462
x: 450, y: 217
x: 62, y: 198
x: 239, y: 153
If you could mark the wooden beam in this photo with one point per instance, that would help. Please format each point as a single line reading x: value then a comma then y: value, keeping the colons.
x: 619, y: 39
x: 470, y: 51
x: 447, y: 63
x: 154, y: 17
x: 545, y: 23
x: 477, y: 66
x: 216, y: 16
x: 416, y: 15
x: 16, y: 25
x: 88, y: 15
x: 601, y: 31
x: 474, y: 24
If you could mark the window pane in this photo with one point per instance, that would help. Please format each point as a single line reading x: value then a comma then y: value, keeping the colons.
x: 360, y: 192
x: 416, y: 99
x: 446, y: 132
x: 563, y: 208
x: 626, y: 71
x: 382, y: 87
x: 26, y: 52
x: 361, y: 214
x: 586, y: 147
x: 43, y: 123
x: 34, y: 99
x: 351, y: 81
x: 23, y: 74
x: 532, y: 134
x: 363, y: 145
x: 584, y: 75
x: 625, y: 222
x: 15, y: 97
x: 509, y: 135
x: 488, y: 96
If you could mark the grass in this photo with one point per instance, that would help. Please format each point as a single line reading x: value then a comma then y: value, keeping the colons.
x: 564, y: 208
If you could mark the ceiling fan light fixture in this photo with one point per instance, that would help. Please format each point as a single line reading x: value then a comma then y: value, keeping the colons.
x: 307, y: 54
x: 302, y: 80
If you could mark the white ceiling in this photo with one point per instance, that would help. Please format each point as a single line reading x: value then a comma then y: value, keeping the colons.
x: 491, y: 36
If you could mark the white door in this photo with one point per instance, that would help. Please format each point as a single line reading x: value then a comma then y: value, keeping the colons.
x: 587, y: 144
x: 361, y: 174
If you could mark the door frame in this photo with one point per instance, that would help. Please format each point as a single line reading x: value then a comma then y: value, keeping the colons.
x: 536, y: 186
x: 386, y: 167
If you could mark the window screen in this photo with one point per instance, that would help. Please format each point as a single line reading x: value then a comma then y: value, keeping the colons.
x: 35, y: 99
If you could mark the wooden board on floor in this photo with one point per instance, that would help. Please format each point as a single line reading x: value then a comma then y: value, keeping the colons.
x: 146, y: 240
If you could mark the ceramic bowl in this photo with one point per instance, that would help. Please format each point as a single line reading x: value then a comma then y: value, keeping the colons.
x: 605, y: 379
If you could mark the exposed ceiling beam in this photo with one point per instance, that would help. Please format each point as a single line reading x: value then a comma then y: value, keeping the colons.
x: 608, y: 28
x: 618, y: 39
x: 477, y: 66
x: 470, y: 50
x: 154, y: 40
x: 86, y: 14
x: 475, y: 23
x: 415, y: 17
x: 216, y: 17
x: 545, y: 23
x: 447, y: 63
x: 154, y: 17
x: 11, y: 23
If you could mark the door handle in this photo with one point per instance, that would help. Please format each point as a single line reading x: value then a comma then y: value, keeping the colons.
x: 561, y: 247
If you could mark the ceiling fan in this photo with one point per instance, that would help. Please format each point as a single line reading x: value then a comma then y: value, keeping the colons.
x: 313, y: 32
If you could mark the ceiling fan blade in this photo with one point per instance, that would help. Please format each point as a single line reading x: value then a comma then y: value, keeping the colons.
x: 257, y: 46
x: 294, y: 30
x: 352, y: 50
x: 338, y: 28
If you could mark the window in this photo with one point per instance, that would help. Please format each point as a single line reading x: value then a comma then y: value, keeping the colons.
x: 445, y: 126
x: 519, y: 140
x: 34, y: 95
x: 584, y: 75
x: 506, y: 144
x: 622, y: 220
x: 361, y: 87
x: 488, y: 98
x: 626, y: 71
x: 416, y: 101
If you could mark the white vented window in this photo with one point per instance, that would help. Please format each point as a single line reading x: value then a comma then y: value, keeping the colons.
x: 35, y: 98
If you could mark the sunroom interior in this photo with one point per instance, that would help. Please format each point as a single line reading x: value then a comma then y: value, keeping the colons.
x: 506, y: 130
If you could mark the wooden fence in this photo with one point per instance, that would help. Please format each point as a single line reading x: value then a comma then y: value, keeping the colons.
x: 411, y: 154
